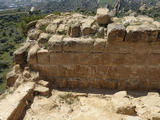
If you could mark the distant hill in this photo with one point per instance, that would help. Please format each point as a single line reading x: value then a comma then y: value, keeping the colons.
x: 135, y: 7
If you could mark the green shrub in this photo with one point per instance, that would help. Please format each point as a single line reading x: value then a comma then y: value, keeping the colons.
x: 43, y: 28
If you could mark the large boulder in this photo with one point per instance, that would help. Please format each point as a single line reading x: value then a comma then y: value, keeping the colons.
x: 20, y: 55
x: 103, y: 16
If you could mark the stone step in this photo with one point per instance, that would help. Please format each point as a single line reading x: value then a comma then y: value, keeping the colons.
x: 13, y: 106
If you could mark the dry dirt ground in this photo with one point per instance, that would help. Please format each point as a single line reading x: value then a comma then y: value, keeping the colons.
x: 96, y: 105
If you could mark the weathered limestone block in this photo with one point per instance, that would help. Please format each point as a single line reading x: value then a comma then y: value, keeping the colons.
x: 51, y: 28
x: 43, y: 56
x: 123, y: 105
x: 99, y: 45
x: 77, y: 44
x: 69, y: 58
x: 75, y: 30
x: 105, y: 72
x: 103, y: 16
x: 41, y: 23
x: 143, y: 33
x: 43, y: 38
x: 152, y: 73
x: 133, y: 77
x: 11, y: 78
x: 20, y: 55
x: 87, y: 28
x: 119, y: 47
x: 55, y: 43
x: 32, y: 55
x: 33, y: 34
x: 62, y: 29
x: 116, y: 33
x: 13, y: 106
x: 74, y: 71
x: 48, y: 71
x: 154, y: 47
x: 41, y: 90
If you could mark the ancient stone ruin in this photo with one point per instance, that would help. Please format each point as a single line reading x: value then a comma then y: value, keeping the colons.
x: 72, y: 50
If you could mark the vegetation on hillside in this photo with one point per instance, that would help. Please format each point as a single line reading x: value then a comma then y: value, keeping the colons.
x: 12, y: 27
x: 102, y: 3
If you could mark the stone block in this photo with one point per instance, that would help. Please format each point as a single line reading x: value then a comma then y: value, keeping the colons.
x: 115, y: 33
x: 103, y: 16
x: 32, y: 54
x: 51, y: 28
x: 69, y: 58
x: 43, y: 57
x: 43, y: 38
x: 99, y: 45
x: 55, y: 43
x: 141, y: 35
x: 77, y: 44
x: 20, y: 55
x: 75, y: 30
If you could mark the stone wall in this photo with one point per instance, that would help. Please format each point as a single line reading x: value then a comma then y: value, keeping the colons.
x: 117, y: 62
x: 95, y: 53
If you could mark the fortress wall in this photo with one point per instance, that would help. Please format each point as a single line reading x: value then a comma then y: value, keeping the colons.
x: 116, y: 62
